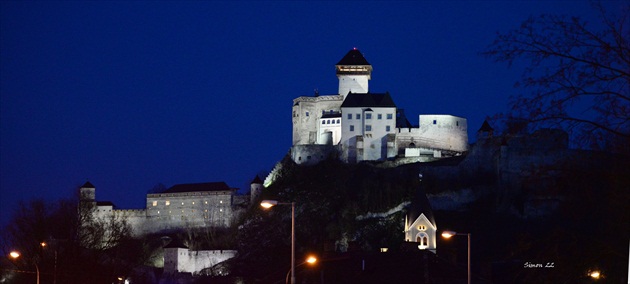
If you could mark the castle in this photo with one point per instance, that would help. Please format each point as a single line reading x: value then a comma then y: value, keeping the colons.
x: 357, y: 125
x: 182, y: 206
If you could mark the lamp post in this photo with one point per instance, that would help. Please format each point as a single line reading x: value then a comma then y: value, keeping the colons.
x: 449, y: 234
x: 16, y: 255
x: 271, y: 203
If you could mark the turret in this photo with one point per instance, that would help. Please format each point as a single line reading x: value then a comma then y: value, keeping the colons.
x: 256, y: 188
x: 353, y: 72
x: 87, y: 192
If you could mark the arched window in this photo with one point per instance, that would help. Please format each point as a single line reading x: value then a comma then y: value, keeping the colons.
x: 423, y: 239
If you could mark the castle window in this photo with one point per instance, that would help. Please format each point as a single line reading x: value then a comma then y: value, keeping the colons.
x: 323, y: 122
x: 358, y: 116
x: 182, y: 203
x: 368, y: 116
x: 307, y: 113
x: 328, y: 121
x: 456, y: 123
x: 221, y: 210
x: 349, y: 116
x: 206, y: 202
x: 422, y: 228
x: 368, y: 127
x: 154, y: 203
x: 337, y: 121
x: 387, y: 128
x: 379, y: 116
x: 193, y: 203
x: 434, y: 121
x: 168, y: 203
x: 390, y: 116
x: 220, y: 201
x: 351, y: 127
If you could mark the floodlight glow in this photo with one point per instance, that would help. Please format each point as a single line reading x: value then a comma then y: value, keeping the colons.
x: 14, y: 254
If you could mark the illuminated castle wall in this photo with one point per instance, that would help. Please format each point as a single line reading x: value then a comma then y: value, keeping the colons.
x: 183, y: 206
x: 357, y: 125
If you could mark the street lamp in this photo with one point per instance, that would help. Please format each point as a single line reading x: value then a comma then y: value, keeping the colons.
x: 16, y: 255
x: 310, y: 260
x: 270, y: 203
x: 449, y: 234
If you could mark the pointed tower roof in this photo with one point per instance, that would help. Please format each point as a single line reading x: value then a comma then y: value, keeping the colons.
x: 420, y: 205
x: 256, y: 180
x: 87, y: 184
x: 485, y: 127
x: 353, y: 57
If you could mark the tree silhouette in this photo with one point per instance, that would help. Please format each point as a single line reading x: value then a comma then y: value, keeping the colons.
x: 579, y: 77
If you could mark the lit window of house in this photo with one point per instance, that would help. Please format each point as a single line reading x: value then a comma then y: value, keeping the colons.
x: 193, y: 203
x: 206, y: 202
x: 168, y: 203
x: 154, y: 203
x: 220, y: 201
x: 422, y: 228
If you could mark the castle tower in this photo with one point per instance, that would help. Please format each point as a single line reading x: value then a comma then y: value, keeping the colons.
x: 353, y: 72
x: 256, y: 188
x: 87, y: 192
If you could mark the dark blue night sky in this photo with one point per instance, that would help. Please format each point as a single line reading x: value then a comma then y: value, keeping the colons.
x: 131, y: 94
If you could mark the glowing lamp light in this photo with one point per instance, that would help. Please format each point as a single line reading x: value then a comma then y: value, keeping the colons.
x: 594, y: 274
x: 268, y: 203
x: 14, y: 254
x: 43, y: 244
x: 448, y: 234
x: 311, y: 259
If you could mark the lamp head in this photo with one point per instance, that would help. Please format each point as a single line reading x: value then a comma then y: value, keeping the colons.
x: 311, y: 260
x: 14, y: 254
x: 448, y: 234
x: 268, y: 203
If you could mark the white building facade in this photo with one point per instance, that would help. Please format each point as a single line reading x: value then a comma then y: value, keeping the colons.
x: 357, y: 125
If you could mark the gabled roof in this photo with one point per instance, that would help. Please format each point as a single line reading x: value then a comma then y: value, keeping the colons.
x: 87, y: 185
x: 194, y: 187
x: 353, y: 57
x: 368, y: 100
x: 485, y: 127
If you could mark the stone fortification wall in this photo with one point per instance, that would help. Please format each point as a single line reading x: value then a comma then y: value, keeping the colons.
x: 187, y: 261
x: 311, y: 154
x: 306, y: 114
x: 136, y: 218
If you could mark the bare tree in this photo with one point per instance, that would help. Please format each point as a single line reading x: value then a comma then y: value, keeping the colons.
x: 579, y: 77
